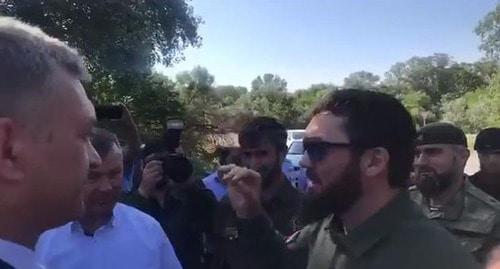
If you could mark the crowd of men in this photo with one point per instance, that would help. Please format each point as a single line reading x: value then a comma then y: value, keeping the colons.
x: 380, y: 194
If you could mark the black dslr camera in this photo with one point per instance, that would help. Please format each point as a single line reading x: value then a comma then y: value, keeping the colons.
x: 176, y: 166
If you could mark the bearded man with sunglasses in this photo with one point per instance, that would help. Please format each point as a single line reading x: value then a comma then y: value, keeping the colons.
x: 359, y: 148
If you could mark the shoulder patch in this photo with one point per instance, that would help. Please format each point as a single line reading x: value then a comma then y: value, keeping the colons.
x: 305, y: 236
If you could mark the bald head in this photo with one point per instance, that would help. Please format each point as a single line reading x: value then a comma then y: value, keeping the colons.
x: 30, y: 58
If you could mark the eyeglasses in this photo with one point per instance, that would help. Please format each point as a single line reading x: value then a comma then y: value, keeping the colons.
x: 317, y: 150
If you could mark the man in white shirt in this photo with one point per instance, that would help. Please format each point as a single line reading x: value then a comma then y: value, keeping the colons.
x: 110, y: 234
x: 45, y: 151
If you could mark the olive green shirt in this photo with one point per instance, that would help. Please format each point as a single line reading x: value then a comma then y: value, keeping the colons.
x: 472, y: 216
x: 281, y: 209
x: 398, y: 236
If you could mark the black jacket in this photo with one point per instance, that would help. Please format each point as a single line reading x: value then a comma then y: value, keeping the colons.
x: 186, y: 219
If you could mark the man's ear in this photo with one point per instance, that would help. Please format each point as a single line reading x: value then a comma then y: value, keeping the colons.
x: 374, y: 161
x: 10, y: 168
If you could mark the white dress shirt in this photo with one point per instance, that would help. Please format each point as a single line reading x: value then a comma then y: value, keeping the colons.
x: 131, y: 239
x: 18, y: 256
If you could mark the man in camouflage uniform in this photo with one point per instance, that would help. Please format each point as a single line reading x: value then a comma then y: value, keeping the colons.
x: 359, y: 149
x: 487, y: 146
x: 446, y: 194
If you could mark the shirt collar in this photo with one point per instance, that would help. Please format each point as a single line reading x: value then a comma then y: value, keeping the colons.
x: 366, y: 235
x: 18, y: 256
x: 76, y: 226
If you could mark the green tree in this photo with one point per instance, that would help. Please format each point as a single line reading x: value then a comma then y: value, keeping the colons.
x: 121, y: 41
x: 455, y: 111
x: 438, y: 76
x: 150, y: 98
x: 361, y: 80
x: 489, y: 32
x: 153, y: 99
x: 269, y: 98
x: 419, y: 106
x: 424, y: 74
x: 461, y: 79
x: 229, y: 94
x: 269, y: 82
x: 476, y: 110
x: 202, y: 109
x: 279, y: 105
x: 486, y: 69
x: 195, y: 83
x: 306, y: 99
x: 118, y: 36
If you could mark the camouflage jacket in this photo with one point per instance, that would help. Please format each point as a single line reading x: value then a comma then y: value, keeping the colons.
x: 472, y: 216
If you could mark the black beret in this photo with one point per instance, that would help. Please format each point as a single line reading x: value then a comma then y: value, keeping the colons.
x: 488, y: 140
x: 441, y: 133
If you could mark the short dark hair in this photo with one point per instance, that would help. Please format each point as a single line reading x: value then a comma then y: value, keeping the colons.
x: 103, y: 141
x: 260, y: 129
x: 375, y: 119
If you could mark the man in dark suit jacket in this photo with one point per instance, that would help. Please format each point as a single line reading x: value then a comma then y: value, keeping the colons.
x: 45, y: 152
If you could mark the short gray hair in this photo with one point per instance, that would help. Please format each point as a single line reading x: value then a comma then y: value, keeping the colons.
x: 28, y: 58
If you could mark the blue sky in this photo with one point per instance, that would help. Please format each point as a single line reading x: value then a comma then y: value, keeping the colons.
x: 313, y: 41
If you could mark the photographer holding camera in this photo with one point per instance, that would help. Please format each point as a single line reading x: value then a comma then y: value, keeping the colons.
x: 182, y: 205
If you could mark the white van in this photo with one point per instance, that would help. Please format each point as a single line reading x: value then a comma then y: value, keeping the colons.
x: 294, y: 135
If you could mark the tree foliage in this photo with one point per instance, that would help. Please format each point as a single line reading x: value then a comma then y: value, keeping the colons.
x: 476, y: 110
x: 115, y: 35
x: 229, y: 94
x: 419, y: 106
x: 121, y: 41
x: 489, y: 32
x: 269, y: 82
x: 437, y: 76
x: 197, y: 96
x: 153, y: 99
x: 361, y: 80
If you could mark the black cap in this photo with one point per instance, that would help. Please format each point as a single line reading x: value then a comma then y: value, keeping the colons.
x: 441, y: 133
x: 488, y: 140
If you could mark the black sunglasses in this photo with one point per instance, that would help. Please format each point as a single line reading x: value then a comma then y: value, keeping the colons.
x: 317, y: 150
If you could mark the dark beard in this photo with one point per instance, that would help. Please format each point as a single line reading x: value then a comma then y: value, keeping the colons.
x: 337, y: 198
x: 269, y: 175
x: 432, y: 184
